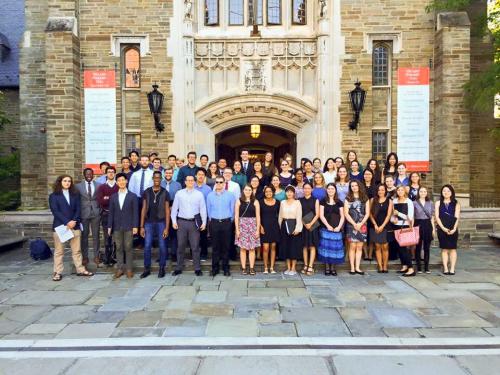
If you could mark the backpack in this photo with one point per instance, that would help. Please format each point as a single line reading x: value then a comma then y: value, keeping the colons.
x: 39, y: 250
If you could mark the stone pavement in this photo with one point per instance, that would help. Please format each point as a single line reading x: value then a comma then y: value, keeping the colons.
x: 32, y: 306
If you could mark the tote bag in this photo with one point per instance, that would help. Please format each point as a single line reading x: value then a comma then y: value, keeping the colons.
x: 407, y: 236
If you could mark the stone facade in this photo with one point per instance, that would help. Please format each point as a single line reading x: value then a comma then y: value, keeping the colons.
x: 208, y: 75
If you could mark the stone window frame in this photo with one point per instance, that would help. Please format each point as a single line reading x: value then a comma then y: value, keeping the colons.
x: 241, y: 5
x: 373, y: 145
x: 128, y: 133
x: 141, y: 39
x: 280, y: 21
x: 296, y: 23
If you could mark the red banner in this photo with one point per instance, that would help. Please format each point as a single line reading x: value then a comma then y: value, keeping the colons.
x: 99, y: 79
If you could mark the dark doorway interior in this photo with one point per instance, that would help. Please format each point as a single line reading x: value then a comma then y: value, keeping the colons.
x: 229, y: 143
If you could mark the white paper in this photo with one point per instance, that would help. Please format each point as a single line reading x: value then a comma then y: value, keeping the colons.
x: 64, y: 233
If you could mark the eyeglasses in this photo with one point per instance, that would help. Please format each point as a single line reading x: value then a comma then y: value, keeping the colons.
x: 219, y: 182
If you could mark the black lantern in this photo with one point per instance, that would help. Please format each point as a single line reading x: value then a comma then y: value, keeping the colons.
x: 155, y: 100
x: 357, y: 98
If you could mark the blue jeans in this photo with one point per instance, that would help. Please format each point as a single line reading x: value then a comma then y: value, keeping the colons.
x: 151, y: 229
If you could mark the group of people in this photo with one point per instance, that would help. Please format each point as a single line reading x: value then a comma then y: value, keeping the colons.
x: 330, y: 212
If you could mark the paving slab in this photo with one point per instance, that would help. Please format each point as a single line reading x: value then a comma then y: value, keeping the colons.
x: 175, y: 292
x: 125, y: 303
x: 479, y: 365
x: 224, y: 327
x: 141, y: 319
x: 211, y: 310
x: 285, y: 284
x: 277, y: 330
x: 402, y: 332
x: 41, y: 297
x: 27, y: 366
x: 106, y: 317
x: 179, y: 331
x: 453, y: 332
x: 24, y: 314
x: 68, y: 314
x: 397, y: 318
x: 211, y: 297
x: 87, y: 330
x: 42, y: 329
x: 138, y: 332
x: 457, y: 321
x: 309, y: 314
x: 268, y: 292
x: 294, y: 302
x: 322, y: 329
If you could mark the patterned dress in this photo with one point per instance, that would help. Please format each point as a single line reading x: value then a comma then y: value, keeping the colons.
x: 357, y: 213
x: 331, y: 244
x: 247, y: 227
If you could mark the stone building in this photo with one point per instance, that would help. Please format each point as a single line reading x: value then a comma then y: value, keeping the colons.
x: 224, y: 65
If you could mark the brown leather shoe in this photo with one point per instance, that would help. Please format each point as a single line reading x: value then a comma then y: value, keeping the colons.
x: 130, y: 274
x: 118, y: 274
x: 85, y: 261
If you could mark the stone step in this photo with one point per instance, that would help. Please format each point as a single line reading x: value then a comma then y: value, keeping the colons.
x: 7, y: 241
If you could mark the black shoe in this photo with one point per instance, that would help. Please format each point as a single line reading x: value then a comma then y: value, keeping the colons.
x: 328, y: 272
x: 386, y: 271
x: 176, y: 272
x: 161, y: 273
x: 333, y: 273
x: 145, y: 273
x: 198, y: 273
x: 352, y: 272
x: 410, y: 274
x: 402, y: 271
x: 446, y: 273
x: 227, y: 273
x: 451, y: 273
x: 360, y: 272
x: 214, y: 273
x: 380, y: 271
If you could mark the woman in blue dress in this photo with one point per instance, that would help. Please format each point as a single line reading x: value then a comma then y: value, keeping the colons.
x: 319, y: 191
x: 342, y: 183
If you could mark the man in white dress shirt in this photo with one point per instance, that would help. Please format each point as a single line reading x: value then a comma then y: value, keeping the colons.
x: 141, y: 179
x: 231, y: 186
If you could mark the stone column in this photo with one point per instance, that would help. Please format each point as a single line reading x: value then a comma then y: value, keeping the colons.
x: 451, y: 159
x: 63, y: 108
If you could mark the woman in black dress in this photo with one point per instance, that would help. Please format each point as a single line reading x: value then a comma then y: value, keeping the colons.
x: 380, y: 214
x: 269, y: 228
x: 447, y: 212
x: 370, y: 188
x: 310, y: 238
x: 372, y: 165
x: 256, y: 187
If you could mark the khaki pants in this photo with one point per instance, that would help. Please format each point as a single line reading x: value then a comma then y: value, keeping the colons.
x: 76, y: 253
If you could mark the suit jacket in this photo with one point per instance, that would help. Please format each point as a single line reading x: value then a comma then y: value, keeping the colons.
x: 64, y: 212
x: 89, y: 205
x: 124, y: 218
x: 249, y: 172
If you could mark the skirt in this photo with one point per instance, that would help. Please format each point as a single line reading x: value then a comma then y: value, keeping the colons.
x: 378, y: 238
x: 355, y: 236
x: 331, y: 247
x: 446, y: 241
x: 290, y: 247
x: 247, y: 240
x: 310, y: 238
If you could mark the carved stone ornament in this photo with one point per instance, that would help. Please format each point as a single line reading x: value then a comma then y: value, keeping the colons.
x: 322, y: 8
x: 255, y: 77
x: 217, y: 49
x: 188, y: 9
x: 232, y: 49
x: 247, y: 49
x: 309, y: 49
x: 279, y: 49
x: 263, y: 49
x: 201, y: 49
x: 294, y: 48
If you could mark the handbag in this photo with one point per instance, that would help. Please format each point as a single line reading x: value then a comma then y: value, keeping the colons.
x: 198, y: 221
x: 407, y: 236
x: 306, y: 219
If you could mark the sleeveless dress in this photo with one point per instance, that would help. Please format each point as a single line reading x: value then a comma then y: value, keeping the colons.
x: 380, y: 238
x: 309, y: 238
x: 447, y: 217
x: 269, y: 221
x: 331, y: 244
x: 247, y: 227
x: 342, y: 190
x: 357, y: 212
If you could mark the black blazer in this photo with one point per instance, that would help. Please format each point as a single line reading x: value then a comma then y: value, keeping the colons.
x: 64, y: 212
x: 249, y: 172
x: 125, y: 218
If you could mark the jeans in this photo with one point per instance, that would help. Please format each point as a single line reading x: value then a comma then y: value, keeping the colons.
x: 172, y: 243
x: 151, y: 230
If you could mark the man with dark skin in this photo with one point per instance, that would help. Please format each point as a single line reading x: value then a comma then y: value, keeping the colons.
x: 155, y: 219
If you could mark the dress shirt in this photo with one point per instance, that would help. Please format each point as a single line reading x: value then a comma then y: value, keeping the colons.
x: 220, y: 205
x: 233, y: 188
x: 205, y: 189
x: 121, y: 197
x: 92, y: 187
x: 66, y: 195
x: 134, y: 185
x: 187, y: 204
x: 172, y: 187
x: 101, y: 179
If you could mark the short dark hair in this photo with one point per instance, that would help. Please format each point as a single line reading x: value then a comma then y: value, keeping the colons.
x: 269, y: 187
x: 191, y: 153
x: 133, y: 152
x: 204, y: 156
x: 203, y: 170
x: 155, y: 173
x: 144, y: 156
x: 171, y: 156
x: 110, y: 168
x: 290, y: 188
x: 121, y: 174
x: 244, y: 149
x: 153, y: 153
x: 156, y: 159
x: 88, y: 169
x: 125, y: 158
x: 104, y: 163
x: 185, y: 178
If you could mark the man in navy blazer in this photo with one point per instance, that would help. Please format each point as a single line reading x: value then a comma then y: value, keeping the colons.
x: 123, y: 223
x: 64, y: 203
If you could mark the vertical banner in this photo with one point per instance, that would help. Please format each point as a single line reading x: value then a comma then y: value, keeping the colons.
x: 413, y: 118
x: 100, y: 117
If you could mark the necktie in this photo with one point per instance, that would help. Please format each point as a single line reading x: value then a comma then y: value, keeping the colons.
x: 89, y: 190
x: 227, y: 186
x: 245, y: 167
x: 141, y: 189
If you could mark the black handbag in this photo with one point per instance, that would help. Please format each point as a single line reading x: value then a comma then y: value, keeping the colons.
x: 306, y: 219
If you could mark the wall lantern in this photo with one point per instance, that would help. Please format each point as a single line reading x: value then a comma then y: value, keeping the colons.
x: 357, y: 98
x: 155, y: 100
x: 255, y: 131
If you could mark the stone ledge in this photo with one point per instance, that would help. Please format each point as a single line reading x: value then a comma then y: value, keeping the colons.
x: 55, y: 24
x: 452, y: 19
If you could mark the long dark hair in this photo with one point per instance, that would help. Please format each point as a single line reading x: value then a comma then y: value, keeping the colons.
x: 242, y: 196
x: 362, y: 193
x: 387, y: 165
x: 335, y: 196
x: 376, y: 199
x: 377, y: 168
x: 209, y: 172
x: 57, y: 187
x: 453, y: 199
x: 337, y: 179
x: 325, y: 167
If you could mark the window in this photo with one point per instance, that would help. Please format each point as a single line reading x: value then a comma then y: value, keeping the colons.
x: 132, y: 67
x: 132, y: 143
x: 379, y: 145
x: 299, y: 12
x: 211, y: 12
x: 236, y: 12
x: 274, y: 12
x: 259, y: 11
x: 380, y: 65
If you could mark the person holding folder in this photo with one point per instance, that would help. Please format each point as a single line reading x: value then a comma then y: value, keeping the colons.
x: 290, y: 221
x: 64, y: 202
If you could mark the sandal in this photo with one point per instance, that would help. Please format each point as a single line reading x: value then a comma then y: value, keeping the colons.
x: 85, y: 273
x: 56, y: 276
x: 310, y: 271
x: 272, y: 270
x: 304, y: 270
x: 252, y: 271
x: 266, y: 271
x: 243, y: 271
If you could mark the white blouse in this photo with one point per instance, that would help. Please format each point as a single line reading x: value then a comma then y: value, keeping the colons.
x: 291, y: 211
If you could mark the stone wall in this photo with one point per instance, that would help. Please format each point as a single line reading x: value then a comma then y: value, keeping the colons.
x: 9, y: 135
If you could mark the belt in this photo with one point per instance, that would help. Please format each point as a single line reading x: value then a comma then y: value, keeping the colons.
x: 221, y: 220
x: 181, y: 218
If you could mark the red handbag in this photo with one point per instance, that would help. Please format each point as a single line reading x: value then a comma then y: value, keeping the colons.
x: 407, y: 236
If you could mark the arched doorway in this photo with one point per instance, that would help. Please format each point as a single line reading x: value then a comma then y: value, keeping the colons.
x: 229, y: 143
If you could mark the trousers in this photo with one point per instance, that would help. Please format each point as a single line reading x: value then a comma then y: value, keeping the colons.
x: 188, y: 234
x: 90, y: 225
x: 221, y: 235
x: 76, y: 253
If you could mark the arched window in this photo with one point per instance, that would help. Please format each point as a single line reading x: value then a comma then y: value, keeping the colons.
x: 274, y: 12
x: 132, y: 67
x: 380, y: 61
x: 236, y: 10
x: 259, y: 11
x: 211, y: 12
x: 299, y: 12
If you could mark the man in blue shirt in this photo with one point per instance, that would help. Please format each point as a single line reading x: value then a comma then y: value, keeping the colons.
x: 201, y: 175
x: 189, y: 217
x: 189, y: 169
x: 102, y: 178
x: 172, y: 186
x: 220, y: 210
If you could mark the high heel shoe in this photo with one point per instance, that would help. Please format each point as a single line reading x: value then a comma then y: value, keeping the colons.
x: 410, y: 274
